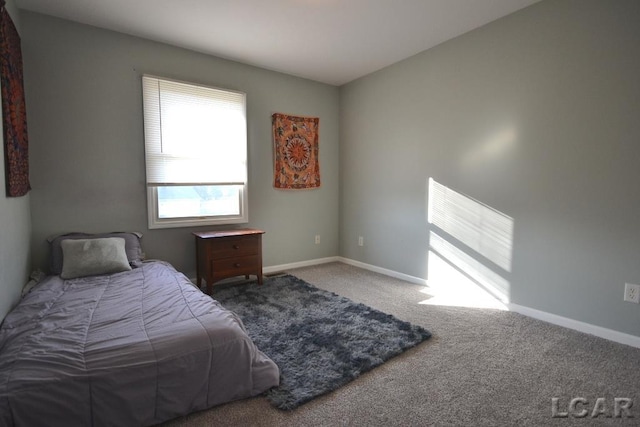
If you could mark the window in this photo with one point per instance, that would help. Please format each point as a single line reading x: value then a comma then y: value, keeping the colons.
x: 196, y: 154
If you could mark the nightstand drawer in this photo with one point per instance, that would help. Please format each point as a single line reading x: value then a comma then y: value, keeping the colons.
x: 233, y: 247
x: 229, y: 267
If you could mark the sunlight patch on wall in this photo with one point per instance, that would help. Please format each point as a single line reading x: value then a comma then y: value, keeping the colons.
x: 448, y: 286
x: 489, y: 280
x: 470, y: 251
x: 480, y: 227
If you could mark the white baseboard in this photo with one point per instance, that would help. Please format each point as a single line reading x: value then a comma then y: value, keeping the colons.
x: 609, y: 334
x: 386, y: 272
x: 282, y: 267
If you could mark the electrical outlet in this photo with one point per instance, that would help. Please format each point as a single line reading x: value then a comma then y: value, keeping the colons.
x: 632, y: 293
x: 360, y: 241
x: 317, y: 239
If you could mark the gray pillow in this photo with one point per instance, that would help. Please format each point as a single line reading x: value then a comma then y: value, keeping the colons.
x: 93, y: 257
x: 132, y: 246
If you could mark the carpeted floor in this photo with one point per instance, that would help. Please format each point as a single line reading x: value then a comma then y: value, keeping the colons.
x: 481, y: 367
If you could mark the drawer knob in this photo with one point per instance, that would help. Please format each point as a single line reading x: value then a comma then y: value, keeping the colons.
x: 237, y: 264
x: 236, y: 247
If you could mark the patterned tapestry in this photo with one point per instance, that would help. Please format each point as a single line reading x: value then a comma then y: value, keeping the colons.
x: 14, y: 115
x: 295, y: 143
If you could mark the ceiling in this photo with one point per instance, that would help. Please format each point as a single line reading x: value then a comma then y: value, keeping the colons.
x: 330, y: 41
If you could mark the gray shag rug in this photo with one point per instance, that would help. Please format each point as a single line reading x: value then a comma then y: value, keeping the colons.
x: 319, y: 340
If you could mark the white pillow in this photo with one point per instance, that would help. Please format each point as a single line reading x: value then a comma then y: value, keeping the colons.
x: 93, y: 257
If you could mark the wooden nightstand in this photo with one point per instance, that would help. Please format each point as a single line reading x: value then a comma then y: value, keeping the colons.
x: 228, y: 253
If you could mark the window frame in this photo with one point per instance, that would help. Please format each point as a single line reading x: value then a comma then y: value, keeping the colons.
x: 154, y: 220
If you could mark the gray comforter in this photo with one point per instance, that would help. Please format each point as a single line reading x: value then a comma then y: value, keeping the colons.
x: 128, y: 349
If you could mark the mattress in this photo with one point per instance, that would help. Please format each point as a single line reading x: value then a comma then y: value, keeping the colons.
x: 132, y: 348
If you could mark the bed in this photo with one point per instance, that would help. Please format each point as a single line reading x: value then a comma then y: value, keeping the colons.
x: 134, y: 347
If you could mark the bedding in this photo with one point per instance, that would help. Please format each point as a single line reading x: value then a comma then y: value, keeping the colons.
x: 132, y: 348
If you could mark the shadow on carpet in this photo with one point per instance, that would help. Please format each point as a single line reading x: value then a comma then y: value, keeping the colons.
x: 319, y: 340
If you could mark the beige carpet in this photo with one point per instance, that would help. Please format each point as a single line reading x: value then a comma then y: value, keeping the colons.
x: 482, y: 367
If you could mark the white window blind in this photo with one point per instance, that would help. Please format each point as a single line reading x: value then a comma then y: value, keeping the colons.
x: 196, y: 154
x: 193, y: 134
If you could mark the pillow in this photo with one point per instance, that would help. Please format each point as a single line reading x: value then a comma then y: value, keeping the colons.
x: 132, y: 247
x: 93, y: 257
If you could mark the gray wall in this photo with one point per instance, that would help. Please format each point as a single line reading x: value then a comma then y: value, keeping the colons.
x: 85, y: 110
x: 536, y: 115
x: 15, y: 226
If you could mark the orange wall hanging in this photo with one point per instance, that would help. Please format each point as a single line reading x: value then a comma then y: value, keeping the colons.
x: 295, y: 145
